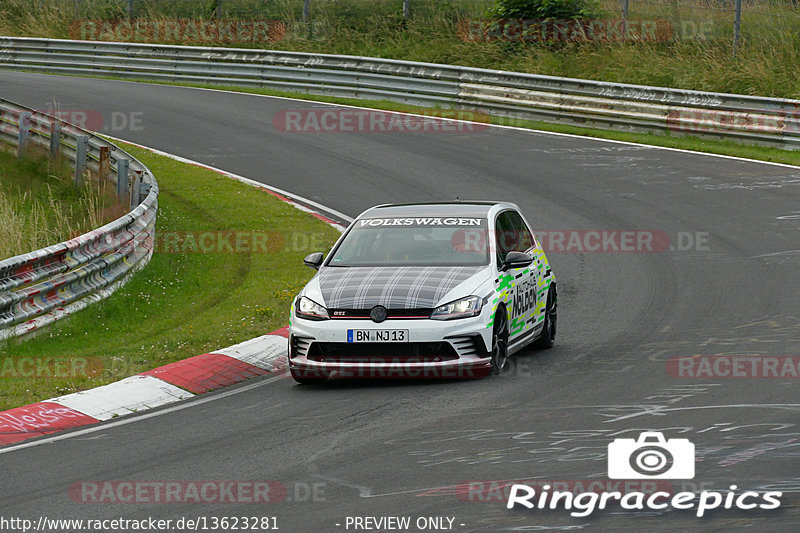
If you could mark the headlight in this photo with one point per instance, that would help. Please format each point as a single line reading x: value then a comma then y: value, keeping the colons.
x: 463, y: 308
x: 310, y: 310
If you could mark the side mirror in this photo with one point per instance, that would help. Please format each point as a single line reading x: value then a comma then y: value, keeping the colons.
x: 314, y: 260
x: 517, y: 260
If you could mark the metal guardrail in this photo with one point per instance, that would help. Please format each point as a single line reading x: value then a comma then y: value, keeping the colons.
x: 769, y: 121
x: 40, y: 287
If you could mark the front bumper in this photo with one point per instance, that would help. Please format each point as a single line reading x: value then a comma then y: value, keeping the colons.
x: 436, y: 349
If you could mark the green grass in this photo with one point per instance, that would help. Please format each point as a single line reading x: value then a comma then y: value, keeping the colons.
x: 40, y: 206
x: 695, y: 53
x: 181, y: 304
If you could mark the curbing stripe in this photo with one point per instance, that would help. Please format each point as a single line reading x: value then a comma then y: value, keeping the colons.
x: 39, y: 419
x: 161, y: 386
x: 267, y: 352
x: 206, y: 373
x: 130, y: 395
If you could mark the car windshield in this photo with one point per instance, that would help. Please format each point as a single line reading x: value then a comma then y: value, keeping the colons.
x: 430, y: 241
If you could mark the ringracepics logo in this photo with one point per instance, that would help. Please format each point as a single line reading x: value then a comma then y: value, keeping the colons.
x: 650, y: 456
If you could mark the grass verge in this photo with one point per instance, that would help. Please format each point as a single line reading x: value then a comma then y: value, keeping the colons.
x: 188, y: 300
x: 40, y: 206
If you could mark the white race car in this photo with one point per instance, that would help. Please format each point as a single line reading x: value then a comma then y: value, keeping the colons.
x: 445, y: 290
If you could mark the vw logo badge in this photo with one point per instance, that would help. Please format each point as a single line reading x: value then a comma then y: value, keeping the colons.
x: 378, y: 313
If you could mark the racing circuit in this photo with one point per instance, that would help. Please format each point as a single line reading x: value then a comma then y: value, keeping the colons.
x: 430, y: 449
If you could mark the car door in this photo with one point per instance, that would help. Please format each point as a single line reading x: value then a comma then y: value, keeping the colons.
x: 518, y: 287
x: 539, y: 271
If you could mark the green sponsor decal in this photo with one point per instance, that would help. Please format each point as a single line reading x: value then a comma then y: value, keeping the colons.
x: 506, y: 282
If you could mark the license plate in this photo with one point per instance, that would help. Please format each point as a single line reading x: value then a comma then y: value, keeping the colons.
x: 377, y: 335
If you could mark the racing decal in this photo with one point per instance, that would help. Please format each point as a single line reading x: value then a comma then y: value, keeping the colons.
x: 391, y: 287
x: 524, y: 299
x: 420, y: 221
x: 503, y: 284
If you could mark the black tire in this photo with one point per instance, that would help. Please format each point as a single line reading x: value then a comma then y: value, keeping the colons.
x: 309, y: 377
x: 500, y: 341
x: 548, y: 337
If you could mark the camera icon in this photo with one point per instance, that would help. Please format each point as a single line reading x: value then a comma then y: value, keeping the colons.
x: 651, y: 457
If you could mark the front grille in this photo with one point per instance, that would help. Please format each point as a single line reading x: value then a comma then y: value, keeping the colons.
x: 375, y: 352
x: 393, y: 314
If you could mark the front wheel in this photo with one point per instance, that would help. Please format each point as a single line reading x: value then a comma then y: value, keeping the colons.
x: 500, y: 341
x: 548, y: 336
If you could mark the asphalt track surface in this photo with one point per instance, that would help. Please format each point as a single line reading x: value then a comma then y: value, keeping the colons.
x: 381, y: 448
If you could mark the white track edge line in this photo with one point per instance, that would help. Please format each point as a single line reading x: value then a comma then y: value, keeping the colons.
x: 238, y: 177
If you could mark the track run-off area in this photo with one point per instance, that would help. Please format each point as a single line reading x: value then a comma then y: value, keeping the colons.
x: 709, y: 267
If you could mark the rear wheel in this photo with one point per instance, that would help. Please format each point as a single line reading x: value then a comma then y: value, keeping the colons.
x: 500, y: 341
x: 548, y: 336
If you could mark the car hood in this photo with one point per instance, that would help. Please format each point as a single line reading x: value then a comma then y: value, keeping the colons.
x: 394, y: 287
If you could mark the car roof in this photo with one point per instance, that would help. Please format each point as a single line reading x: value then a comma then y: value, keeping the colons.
x: 460, y: 209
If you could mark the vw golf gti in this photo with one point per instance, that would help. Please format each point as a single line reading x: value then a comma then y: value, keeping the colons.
x: 444, y: 290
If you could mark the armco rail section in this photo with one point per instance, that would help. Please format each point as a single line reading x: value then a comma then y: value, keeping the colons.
x: 760, y: 120
x: 42, y: 286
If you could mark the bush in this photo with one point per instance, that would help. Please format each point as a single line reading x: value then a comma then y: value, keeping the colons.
x: 543, y: 9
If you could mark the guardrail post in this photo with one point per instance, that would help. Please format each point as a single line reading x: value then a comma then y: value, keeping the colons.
x: 24, y: 133
x: 55, y: 139
x: 123, y: 170
x: 737, y: 23
x: 104, y: 163
x: 136, y: 181
x: 307, y: 16
x: 81, y: 153
x: 144, y: 190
